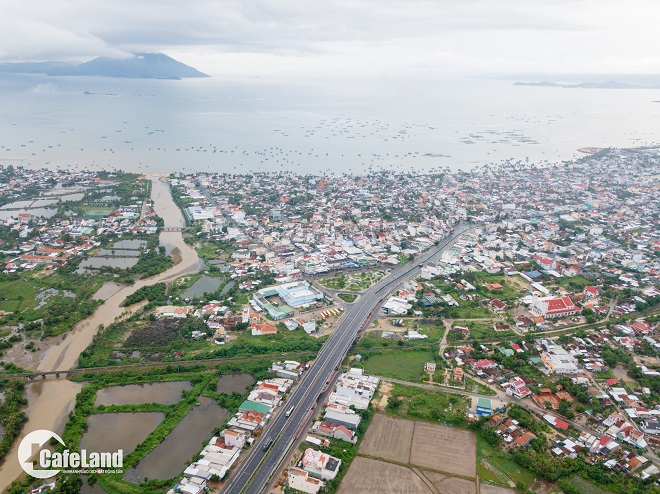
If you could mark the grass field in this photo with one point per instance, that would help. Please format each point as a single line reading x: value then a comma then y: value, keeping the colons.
x: 60, y: 299
x: 347, y: 297
x: 469, y: 310
x: 576, y: 283
x: 95, y: 212
x: 17, y: 295
x: 475, y: 387
x: 406, y: 365
x: 485, y: 331
x: 430, y: 405
x: 587, y: 487
x: 503, y: 470
x: 509, y: 291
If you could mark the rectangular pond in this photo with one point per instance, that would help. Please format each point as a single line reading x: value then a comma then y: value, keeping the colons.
x: 205, y: 284
x: 231, y: 383
x: 173, y: 455
x: 165, y: 393
x: 113, y: 262
x: 109, y: 432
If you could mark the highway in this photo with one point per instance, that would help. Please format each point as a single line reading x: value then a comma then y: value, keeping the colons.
x: 256, y: 469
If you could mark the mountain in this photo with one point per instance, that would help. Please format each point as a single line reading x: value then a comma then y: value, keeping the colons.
x: 139, y: 66
x: 587, y: 85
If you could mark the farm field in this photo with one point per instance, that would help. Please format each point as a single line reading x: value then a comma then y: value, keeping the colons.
x: 395, y: 453
x: 421, y: 444
x: 444, y: 448
x: 450, y: 485
x: 494, y: 489
x: 388, y: 438
x: 368, y: 476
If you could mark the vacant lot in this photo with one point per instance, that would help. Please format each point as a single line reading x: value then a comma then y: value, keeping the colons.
x: 495, y: 466
x: 368, y: 476
x: 406, y: 365
x: 388, y: 438
x: 493, y: 489
x: 450, y: 485
x: 454, y: 485
x: 444, y: 448
x: 421, y: 444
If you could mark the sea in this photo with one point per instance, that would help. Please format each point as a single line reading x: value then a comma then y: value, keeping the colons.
x: 319, y: 126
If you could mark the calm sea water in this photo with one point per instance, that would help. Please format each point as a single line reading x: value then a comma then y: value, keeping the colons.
x: 316, y: 126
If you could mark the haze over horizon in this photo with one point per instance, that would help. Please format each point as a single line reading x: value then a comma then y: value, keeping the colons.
x: 471, y: 38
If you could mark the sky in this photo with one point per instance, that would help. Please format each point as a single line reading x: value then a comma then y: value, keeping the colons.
x: 299, y: 38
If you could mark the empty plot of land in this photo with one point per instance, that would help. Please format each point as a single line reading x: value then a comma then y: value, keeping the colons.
x: 368, y: 476
x: 494, y: 489
x: 388, y: 438
x: 454, y: 485
x: 444, y: 448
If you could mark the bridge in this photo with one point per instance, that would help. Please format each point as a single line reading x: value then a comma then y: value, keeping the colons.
x: 172, y: 229
x: 179, y: 365
x: 35, y: 376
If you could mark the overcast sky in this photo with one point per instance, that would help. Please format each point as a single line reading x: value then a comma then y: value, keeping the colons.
x: 334, y: 37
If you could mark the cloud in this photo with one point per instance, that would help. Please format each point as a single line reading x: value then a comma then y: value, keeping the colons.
x: 421, y: 37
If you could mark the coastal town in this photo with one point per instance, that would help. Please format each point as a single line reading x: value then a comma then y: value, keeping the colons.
x: 523, y: 323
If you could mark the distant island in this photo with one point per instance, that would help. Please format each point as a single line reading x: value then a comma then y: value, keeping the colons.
x: 587, y: 85
x: 139, y: 66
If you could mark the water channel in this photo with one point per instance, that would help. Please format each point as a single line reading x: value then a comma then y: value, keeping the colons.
x: 50, y: 401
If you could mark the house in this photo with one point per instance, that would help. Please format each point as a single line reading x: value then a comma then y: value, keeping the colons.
x: 354, y: 388
x: 350, y: 420
x: 263, y: 329
x: 320, y: 465
x: 234, y: 438
x: 523, y: 440
x: 553, y: 307
x: 219, y: 336
x: 518, y: 388
x: 484, y: 406
x: 458, y: 375
x: 494, y: 286
x: 651, y: 426
x: 300, y: 480
x: 590, y: 292
x: 335, y: 431
x: 556, y: 359
x: 173, y: 312
x: 429, y: 367
x: 555, y: 422
x: 481, y: 365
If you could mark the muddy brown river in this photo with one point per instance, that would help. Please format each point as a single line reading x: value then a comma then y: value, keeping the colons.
x: 50, y: 401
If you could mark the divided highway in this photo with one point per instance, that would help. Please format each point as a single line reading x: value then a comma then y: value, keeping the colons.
x: 263, y: 459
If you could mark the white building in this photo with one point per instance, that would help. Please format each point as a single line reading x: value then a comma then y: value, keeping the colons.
x: 320, y: 465
x: 300, y: 480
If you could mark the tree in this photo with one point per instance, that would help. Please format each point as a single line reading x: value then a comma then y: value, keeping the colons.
x: 565, y: 409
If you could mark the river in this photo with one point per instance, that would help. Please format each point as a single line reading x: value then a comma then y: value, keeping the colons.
x: 50, y: 401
